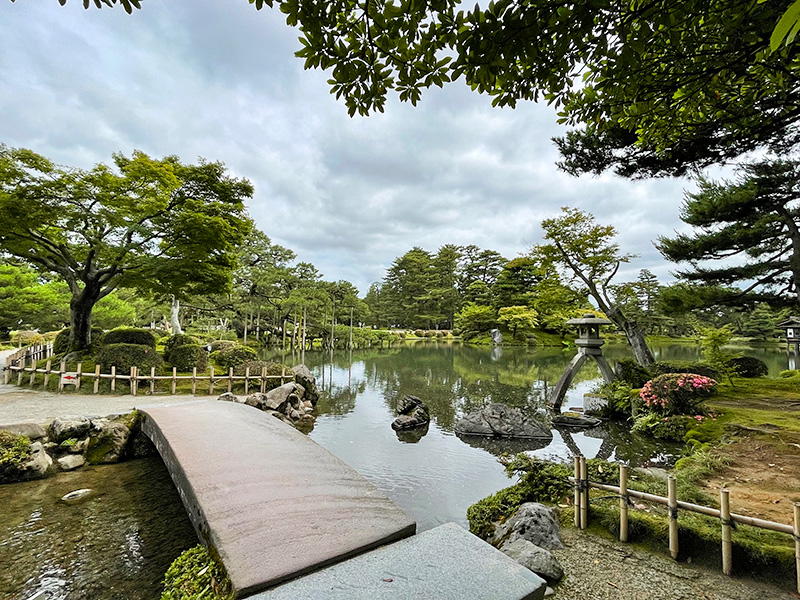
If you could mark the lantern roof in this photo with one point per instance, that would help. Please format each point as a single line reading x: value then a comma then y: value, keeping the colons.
x: 790, y: 322
x: 589, y: 319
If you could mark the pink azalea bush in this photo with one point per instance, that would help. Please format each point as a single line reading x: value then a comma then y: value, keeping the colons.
x: 677, y: 393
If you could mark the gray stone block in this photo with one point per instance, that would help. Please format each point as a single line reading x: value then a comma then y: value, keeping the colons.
x: 445, y: 563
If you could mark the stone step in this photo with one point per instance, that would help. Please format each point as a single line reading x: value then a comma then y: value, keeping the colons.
x: 445, y: 563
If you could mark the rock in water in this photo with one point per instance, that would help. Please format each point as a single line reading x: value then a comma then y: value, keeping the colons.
x: 303, y: 376
x: 534, y: 522
x: 77, y: 495
x: 574, y: 419
x: 70, y: 462
x: 64, y: 428
x: 535, y: 558
x: 499, y: 420
x: 413, y: 413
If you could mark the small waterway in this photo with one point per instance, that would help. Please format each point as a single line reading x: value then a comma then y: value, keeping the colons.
x: 114, y: 545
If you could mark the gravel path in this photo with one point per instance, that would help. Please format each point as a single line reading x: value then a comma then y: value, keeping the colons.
x: 599, y: 568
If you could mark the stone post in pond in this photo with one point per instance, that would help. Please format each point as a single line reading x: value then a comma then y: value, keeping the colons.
x: 589, y: 344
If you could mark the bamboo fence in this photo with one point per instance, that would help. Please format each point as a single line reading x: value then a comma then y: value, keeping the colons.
x: 252, y: 381
x: 728, y: 520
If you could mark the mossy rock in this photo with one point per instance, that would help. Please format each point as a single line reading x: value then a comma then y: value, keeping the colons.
x: 130, y: 335
x: 15, y: 450
x: 195, y: 575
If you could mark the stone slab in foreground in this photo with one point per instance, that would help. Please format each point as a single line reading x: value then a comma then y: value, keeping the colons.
x: 270, y: 501
x: 445, y: 563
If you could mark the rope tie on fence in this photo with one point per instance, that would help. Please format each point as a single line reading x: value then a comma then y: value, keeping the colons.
x: 673, y: 511
x: 732, y: 524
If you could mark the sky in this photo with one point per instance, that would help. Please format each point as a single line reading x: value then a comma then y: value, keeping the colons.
x: 219, y: 80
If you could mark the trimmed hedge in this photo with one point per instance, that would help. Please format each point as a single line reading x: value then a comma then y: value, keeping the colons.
x: 125, y: 356
x: 61, y: 341
x: 130, y: 335
x: 222, y: 345
x: 179, y: 339
x: 749, y: 366
x: 631, y: 372
x: 189, y: 356
x: 233, y: 356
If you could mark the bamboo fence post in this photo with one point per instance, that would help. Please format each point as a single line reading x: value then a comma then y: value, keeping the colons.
x: 62, y: 368
x: 230, y: 379
x: 210, y: 381
x: 46, y: 373
x: 623, y: 503
x: 113, y: 377
x: 20, y: 374
x: 96, y: 379
x: 6, y: 374
x: 33, y: 375
x: 78, y: 378
x: 263, y: 379
x: 246, y: 380
x: 725, y: 517
x: 152, y: 380
x: 133, y: 380
x: 584, y: 494
x: 797, y: 541
x: 194, y: 380
x: 577, y: 501
x: 283, y: 374
x: 174, y: 379
x: 672, y: 505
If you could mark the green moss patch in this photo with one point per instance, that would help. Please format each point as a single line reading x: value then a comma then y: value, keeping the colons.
x: 14, y: 451
x: 195, y: 575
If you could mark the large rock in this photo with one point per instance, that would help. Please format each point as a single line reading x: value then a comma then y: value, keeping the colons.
x: 64, y: 428
x: 107, y: 442
x: 534, y: 522
x: 303, y: 376
x: 278, y: 398
x: 32, y: 431
x: 574, y: 419
x: 499, y: 420
x: 39, y: 463
x: 413, y: 413
x: 228, y: 397
x: 535, y: 558
x: 70, y: 462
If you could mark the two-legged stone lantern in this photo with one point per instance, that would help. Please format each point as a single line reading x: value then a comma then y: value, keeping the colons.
x: 589, y: 343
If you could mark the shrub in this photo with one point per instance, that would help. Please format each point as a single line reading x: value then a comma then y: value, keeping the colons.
x: 194, y: 575
x: 704, y: 369
x: 26, y: 338
x: 430, y: 333
x: 749, y: 366
x: 630, y: 372
x: 61, y: 341
x: 235, y: 355
x: 440, y: 333
x: 14, y: 451
x: 419, y: 332
x: 672, y: 428
x: 677, y: 393
x: 222, y: 345
x: 230, y: 336
x: 789, y: 373
x: 619, y: 395
x: 187, y: 357
x: 179, y: 339
x: 125, y: 356
x: 129, y: 335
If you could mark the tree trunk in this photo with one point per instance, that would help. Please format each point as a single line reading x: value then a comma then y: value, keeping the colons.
x: 641, y: 352
x: 174, y: 316
x: 80, y: 318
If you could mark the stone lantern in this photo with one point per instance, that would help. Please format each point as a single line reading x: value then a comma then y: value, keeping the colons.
x: 589, y: 344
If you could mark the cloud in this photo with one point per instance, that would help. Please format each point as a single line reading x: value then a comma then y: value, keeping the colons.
x: 347, y: 194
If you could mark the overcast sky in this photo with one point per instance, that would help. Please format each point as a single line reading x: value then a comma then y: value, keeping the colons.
x: 220, y: 80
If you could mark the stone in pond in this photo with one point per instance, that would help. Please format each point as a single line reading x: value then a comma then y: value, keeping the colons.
x: 70, y: 462
x: 574, y: 419
x: 413, y: 413
x: 77, y: 495
x: 499, y: 420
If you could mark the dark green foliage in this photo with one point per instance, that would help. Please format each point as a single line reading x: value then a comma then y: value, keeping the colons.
x: 236, y: 355
x: 273, y: 370
x: 14, y: 451
x: 631, y: 372
x: 222, y: 345
x: 660, y: 368
x: 179, y: 339
x: 673, y: 428
x: 620, y: 396
x: 125, y: 356
x: 749, y: 366
x: 61, y: 341
x: 142, y: 337
x: 189, y: 356
x: 195, y: 575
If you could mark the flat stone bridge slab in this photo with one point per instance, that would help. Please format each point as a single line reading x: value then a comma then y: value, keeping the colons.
x: 267, y: 499
x: 445, y: 563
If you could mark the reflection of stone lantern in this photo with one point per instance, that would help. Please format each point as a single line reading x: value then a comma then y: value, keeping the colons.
x: 589, y: 344
x: 792, y: 327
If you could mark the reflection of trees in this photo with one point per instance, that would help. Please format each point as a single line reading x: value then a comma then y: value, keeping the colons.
x: 340, y: 399
x: 499, y: 446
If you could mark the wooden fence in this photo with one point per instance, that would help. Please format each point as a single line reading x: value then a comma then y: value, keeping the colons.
x: 723, y: 513
x: 29, y: 355
x: 29, y: 375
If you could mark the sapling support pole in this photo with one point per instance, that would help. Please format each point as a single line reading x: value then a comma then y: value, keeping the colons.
x: 584, y: 493
x: 672, y: 506
x: 577, y: 501
x: 623, y: 503
x: 725, y: 518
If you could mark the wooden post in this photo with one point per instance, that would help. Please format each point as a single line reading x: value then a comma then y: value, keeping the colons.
x: 133, y: 380
x: 210, y: 381
x: 33, y: 375
x: 577, y: 501
x: 797, y: 541
x: 152, y: 380
x: 283, y: 374
x: 78, y: 378
x: 263, y: 379
x: 62, y: 368
x: 725, y: 517
x: 623, y: 503
x: 230, y: 379
x: 113, y: 377
x: 46, y: 374
x: 672, y: 506
x: 174, y: 379
x: 584, y: 494
x: 97, y: 379
x: 194, y: 380
x: 246, y: 380
x: 21, y: 373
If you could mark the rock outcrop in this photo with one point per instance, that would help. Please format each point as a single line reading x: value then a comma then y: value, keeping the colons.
x: 499, y: 420
x: 413, y: 413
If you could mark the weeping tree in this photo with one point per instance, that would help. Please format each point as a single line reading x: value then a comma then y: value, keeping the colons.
x: 156, y: 225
